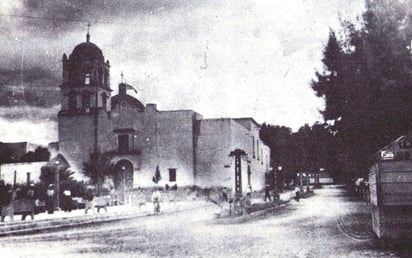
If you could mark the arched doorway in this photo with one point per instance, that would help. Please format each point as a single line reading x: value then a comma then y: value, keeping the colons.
x: 123, y: 178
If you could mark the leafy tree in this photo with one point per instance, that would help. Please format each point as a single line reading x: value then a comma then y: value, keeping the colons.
x: 97, y: 167
x: 366, y: 84
x: 66, y: 180
x: 307, y: 150
x: 39, y: 154
x: 282, y: 149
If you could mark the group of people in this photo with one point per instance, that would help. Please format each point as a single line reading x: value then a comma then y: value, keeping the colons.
x: 362, y: 188
x: 270, y: 195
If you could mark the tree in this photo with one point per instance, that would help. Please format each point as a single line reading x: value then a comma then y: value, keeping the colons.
x: 366, y: 84
x: 157, y: 177
x: 307, y: 150
x: 282, y: 149
x: 39, y: 154
x: 97, y: 167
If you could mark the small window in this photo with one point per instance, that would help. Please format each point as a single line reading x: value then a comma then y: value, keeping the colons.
x: 87, y: 79
x: 123, y: 143
x: 172, y: 175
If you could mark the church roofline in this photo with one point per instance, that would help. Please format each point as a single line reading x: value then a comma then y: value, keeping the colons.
x: 235, y: 119
x: 248, y: 118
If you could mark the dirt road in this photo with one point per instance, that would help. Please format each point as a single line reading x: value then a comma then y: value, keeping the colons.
x: 329, y: 224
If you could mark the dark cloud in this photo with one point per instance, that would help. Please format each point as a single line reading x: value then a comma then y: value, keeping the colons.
x: 34, y: 87
x: 34, y: 114
x: 62, y: 15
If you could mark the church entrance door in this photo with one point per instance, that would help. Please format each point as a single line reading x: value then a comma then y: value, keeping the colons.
x: 123, y: 179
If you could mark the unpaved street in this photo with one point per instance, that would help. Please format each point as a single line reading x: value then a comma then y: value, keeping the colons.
x: 328, y: 224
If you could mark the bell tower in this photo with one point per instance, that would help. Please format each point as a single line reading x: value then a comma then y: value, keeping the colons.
x: 86, y: 79
x: 85, y: 93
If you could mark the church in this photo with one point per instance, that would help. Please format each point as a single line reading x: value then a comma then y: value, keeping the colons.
x: 139, y: 139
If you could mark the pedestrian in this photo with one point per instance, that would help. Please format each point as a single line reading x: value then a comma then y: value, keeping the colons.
x: 50, y: 199
x: 156, y: 198
x: 249, y: 191
x: 224, y: 194
x: 297, y: 193
x: 88, y: 197
x: 267, y: 193
x: 30, y: 192
x: 67, y: 201
x: 3, y: 194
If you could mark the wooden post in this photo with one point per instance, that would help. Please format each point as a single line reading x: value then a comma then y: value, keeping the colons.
x: 28, y: 179
x: 15, y: 179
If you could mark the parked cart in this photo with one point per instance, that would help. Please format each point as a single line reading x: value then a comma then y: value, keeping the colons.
x: 21, y: 207
x: 390, y: 185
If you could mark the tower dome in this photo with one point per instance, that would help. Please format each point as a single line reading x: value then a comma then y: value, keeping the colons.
x: 86, y: 79
x: 87, y: 51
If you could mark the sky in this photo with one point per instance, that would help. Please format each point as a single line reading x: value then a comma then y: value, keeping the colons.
x: 219, y: 58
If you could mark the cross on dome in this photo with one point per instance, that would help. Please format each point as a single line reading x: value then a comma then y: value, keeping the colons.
x: 88, y: 34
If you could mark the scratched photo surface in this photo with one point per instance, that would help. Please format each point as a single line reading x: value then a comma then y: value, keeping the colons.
x: 159, y: 128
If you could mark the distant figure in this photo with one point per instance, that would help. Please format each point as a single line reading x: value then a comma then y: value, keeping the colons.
x: 3, y: 194
x: 156, y: 197
x: 30, y: 192
x: 358, y: 186
x: 67, y: 202
x: 249, y: 191
x: 366, y: 192
x: 297, y: 193
x: 267, y: 193
x: 88, y: 197
x: 50, y: 199
x: 224, y: 194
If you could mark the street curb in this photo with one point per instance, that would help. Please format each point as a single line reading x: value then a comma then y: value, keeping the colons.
x: 257, y: 214
x: 247, y: 217
x: 63, y: 223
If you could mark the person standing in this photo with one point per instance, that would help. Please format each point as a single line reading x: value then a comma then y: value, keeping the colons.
x: 267, y: 193
x: 224, y: 194
x: 50, y: 199
x: 297, y: 193
x: 156, y: 197
x: 249, y: 191
x: 3, y: 194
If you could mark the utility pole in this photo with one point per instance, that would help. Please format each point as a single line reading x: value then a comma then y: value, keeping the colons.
x: 238, y: 153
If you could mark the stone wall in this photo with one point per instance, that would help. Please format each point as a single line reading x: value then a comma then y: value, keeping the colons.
x: 216, y: 139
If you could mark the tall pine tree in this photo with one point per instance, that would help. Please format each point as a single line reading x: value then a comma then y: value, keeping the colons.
x: 366, y: 84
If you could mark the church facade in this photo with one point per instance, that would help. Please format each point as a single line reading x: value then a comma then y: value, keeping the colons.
x: 139, y: 139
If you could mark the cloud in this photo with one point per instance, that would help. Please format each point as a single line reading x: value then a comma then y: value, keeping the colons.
x: 33, y: 114
x: 35, y: 125
x: 32, y: 86
x: 220, y: 58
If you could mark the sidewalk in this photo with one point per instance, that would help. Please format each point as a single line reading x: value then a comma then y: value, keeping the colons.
x: 284, y: 199
x: 60, y: 219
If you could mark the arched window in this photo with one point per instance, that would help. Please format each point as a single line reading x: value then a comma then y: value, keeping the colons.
x: 86, y: 99
x: 72, y: 100
x: 87, y: 79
